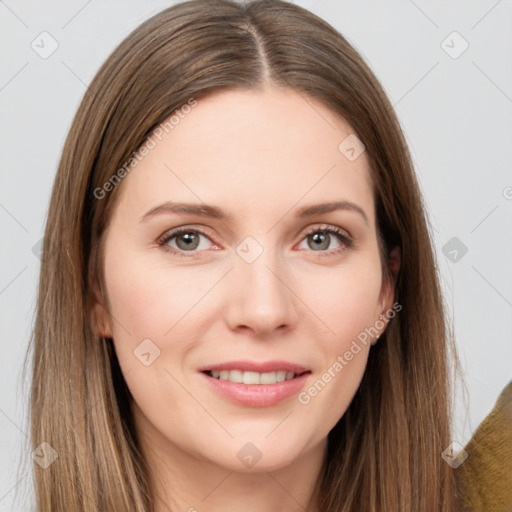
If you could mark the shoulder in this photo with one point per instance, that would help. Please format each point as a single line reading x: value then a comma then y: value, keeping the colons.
x: 486, y: 475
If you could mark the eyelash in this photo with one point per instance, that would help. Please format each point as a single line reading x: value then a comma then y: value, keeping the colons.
x: 347, y: 242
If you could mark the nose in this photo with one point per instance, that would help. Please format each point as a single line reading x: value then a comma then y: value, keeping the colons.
x: 261, y: 298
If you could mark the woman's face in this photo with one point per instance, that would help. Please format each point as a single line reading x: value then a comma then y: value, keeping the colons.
x: 251, y: 288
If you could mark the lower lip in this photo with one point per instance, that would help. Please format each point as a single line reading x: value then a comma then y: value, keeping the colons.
x: 257, y: 395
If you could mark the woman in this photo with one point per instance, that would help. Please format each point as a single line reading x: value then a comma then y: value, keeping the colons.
x: 238, y: 304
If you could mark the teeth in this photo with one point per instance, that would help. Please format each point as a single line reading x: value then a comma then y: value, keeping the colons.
x: 240, y: 376
x: 251, y: 378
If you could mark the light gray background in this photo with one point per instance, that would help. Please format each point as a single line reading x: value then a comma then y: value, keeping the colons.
x: 456, y: 113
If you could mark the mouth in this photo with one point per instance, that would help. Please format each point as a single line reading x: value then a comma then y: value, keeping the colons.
x: 253, y: 378
x: 255, y: 384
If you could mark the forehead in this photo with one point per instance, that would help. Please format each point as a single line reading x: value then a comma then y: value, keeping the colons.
x: 251, y: 150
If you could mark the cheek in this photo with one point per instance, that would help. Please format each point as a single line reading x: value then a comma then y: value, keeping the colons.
x: 148, y: 300
x: 151, y: 302
x: 344, y: 299
x: 347, y: 303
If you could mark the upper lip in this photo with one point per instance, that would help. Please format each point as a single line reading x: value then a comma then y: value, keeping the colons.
x: 255, y: 366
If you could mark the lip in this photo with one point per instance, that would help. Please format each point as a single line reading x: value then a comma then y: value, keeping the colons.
x: 257, y: 395
x: 255, y: 366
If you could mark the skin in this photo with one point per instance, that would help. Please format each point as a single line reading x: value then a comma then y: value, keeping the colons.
x: 258, y: 155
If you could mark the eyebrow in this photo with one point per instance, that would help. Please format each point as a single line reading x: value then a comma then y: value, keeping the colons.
x: 205, y: 210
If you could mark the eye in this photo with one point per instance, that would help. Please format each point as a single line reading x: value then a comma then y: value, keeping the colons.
x: 321, y: 239
x: 184, y: 239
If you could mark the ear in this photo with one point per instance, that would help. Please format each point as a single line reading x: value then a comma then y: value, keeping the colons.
x: 387, y: 295
x: 100, y: 317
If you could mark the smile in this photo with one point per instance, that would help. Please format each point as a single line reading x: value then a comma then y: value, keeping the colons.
x: 251, y: 378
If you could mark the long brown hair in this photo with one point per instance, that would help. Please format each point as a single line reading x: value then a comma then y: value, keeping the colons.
x: 384, y: 454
